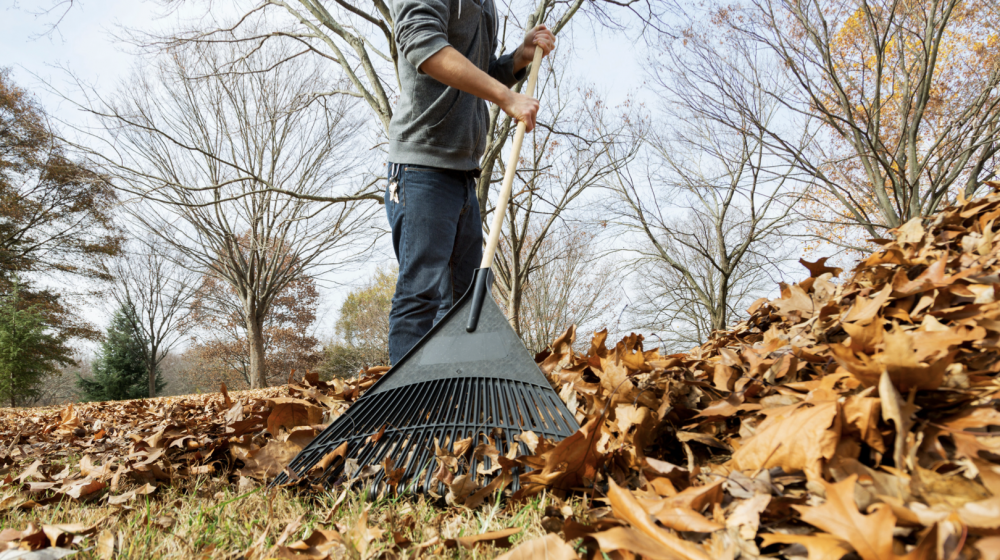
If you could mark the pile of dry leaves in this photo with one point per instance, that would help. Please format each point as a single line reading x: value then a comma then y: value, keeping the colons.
x: 846, y: 416
x: 851, y: 415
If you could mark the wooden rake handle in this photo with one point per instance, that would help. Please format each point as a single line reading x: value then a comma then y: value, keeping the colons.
x: 508, y: 178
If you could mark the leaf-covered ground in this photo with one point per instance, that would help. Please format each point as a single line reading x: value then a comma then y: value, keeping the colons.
x: 856, y: 415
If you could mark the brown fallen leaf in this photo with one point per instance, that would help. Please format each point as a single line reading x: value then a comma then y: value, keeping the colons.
x: 634, y: 541
x: 225, y: 395
x: 897, y: 411
x: 330, y: 458
x: 746, y: 515
x: 821, y: 546
x: 528, y: 438
x: 869, y: 535
x: 362, y: 536
x: 499, y: 539
x: 270, y: 460
x: 627, y: 507
x: 984, y: 514
x: 572, y: 463
x: 31, y: 538
x: 165, y: 522
x: 288, y: 413
x: 696, y: 497
x: 290, y: 528
x: 318, y: 546
x: 143, y: 490
x: 83, y: 488
x: 819, y: 268
x: 802, y: 440
x: 679, y: 518
x: 989, y: 548
x: 31, y: 471
x: 549, y: 547
x: 460, y: 489
x: 106, y: 545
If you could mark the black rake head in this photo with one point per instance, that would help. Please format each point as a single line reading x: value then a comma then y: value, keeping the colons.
x: 453, y: 386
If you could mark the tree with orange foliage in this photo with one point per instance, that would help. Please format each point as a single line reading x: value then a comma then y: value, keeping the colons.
x: 899, y: 101
x: 56, y: 213
x: 222, y: 343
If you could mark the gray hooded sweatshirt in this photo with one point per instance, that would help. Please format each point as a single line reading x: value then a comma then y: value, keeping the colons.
x: 434, y: 124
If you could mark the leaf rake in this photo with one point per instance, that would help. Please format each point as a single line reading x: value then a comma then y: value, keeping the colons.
x: 469, y: 377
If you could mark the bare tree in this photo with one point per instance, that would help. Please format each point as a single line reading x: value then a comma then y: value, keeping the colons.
x: 214, y: 150
x: 150, y: 278
x: 578, y: 145
x: 358, y: 39
x: 707, y: 214
x: 900, y: 100
x: 571, y: 286
x: 683, y: 306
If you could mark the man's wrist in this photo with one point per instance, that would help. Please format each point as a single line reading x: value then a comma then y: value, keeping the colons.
x: 505, y: 97
x: 520, y: 61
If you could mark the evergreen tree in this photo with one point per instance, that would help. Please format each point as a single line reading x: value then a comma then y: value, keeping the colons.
x: 120, y: 368
x: 28, y: 349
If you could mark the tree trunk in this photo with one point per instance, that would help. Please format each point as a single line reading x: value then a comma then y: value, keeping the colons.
x: 151, y: 370
x: 514, y: 305
x: 255, y: 334
x: 719, y: 318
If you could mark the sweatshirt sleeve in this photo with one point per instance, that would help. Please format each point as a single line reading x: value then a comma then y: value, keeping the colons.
x: 502, y: 69
x: 421, y: 28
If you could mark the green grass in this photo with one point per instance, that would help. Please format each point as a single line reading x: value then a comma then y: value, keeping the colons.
x: 206, y: 518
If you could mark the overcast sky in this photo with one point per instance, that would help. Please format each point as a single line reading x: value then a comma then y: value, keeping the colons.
x: 84, y: 42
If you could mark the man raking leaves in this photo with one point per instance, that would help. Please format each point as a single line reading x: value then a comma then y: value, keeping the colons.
x: 447, y: 72
x: 463, y: 389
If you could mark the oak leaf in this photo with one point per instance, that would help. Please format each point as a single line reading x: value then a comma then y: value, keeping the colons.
x: 820, y: 546
x: 291, y: 413
x: 746, y: 515
x: 865, y: 309
x: 632, y: 540
x: 572, y: 463
x: 549, y: 547
x: 819, y: 268
x: 627, y: 507
x: 899, y: 412
x: 800, y: 441
x: 869, y: 535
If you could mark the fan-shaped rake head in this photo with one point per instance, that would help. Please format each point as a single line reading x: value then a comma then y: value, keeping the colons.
x: 452, y: 386
x: 407, y: 424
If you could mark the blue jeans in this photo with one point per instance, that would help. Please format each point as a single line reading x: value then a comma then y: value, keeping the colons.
x: 438, y: 240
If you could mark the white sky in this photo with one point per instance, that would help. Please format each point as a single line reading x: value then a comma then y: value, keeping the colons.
x: 83, y: 42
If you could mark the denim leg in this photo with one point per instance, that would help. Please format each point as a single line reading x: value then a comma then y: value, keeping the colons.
x: 433, y: 244
x: 467, y: 254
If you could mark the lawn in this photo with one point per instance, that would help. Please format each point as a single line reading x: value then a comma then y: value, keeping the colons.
x: 60, y: 489
x: 206, y: 517
x: 851, y: 415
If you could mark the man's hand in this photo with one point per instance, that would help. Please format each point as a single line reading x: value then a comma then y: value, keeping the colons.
x: 451, y: 68
x: 522, y: 108
x: 536, y: 36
